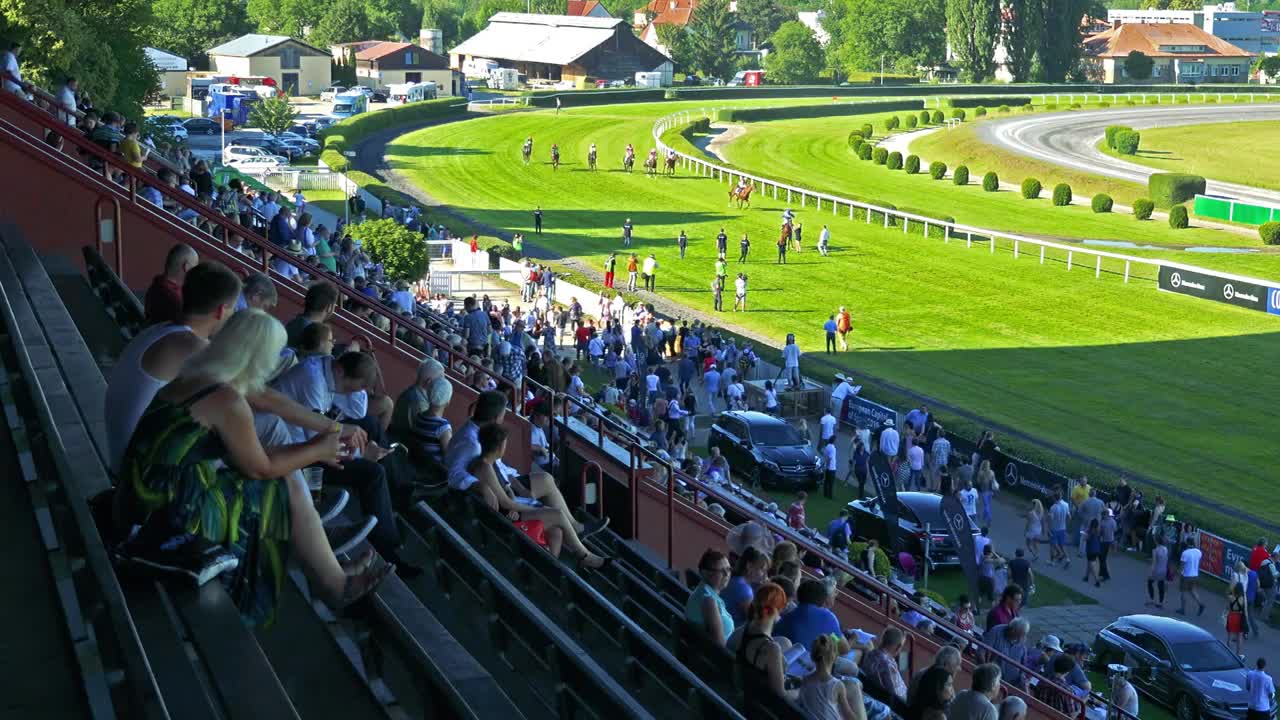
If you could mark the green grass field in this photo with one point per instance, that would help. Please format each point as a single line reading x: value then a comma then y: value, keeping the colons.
x: 1161, y: 384
x: 1229, y: 152
x: 815, y: 152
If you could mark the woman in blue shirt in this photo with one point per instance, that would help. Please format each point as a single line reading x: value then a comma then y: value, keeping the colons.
x: 751, y: 569
x: 705, y: 609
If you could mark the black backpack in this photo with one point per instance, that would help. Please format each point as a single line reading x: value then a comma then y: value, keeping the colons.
x: 839, y: 539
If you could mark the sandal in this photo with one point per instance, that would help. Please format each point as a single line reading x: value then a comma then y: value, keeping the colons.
x: 604, y: 564
x: 357, y: 586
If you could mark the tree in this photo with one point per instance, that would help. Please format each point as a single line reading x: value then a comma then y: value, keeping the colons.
x: 1137, y: 65
x: 676, y: 41
x: 712, y: 38
x: 272, y: 115
x: 100, y: 42
x: 764, y: 17
x: 973, y: 26
x: 796, y: 58
x: 908, y: 34
x: 286, y: 17
x: 190, y: 27
x: 1022, y: 32
x: 345, y: 21
x: 1172, y: 4
x: 1268, y: 65
x: 395, y: 18
x: 1061, y: 44
x: 401, y: 251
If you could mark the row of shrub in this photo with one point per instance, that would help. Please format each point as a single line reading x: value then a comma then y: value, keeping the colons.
x: 925, y: 117
x: 1270, y: 232
x: 1122, y: 139
x: 976, y: 102
x: 345, y: 135
x: 791, y: 112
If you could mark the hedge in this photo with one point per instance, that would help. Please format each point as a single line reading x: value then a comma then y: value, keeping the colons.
x: 864, y: 151
x: 856, y: 138
x: 961, y: 175
x: 1003, y: 109
x: 891, y: 122
x: 1178, y: 219
x: 1270, y: 233
x: 958, y: 114
x: 868, y: 132
x: 1031, y: 188
x: 991, y: 182
x: 1142, y: 208
x: 1168, y: 189
x: 1061, y: 195
x: 911, y: 122
x: 912, y: 165
x: 979, y: 111
x: 789, y: 112
x: 937, y: 169
x: 1101, y: 203
x: 1112, y: 131
x: 894, y: 161
x: 577, y: 98
x: 1127, y: 142
x: 856, y: 144
x: 345, y: 135
x: 879, y: 156
x: 973, y: 102
x: 924, y: 117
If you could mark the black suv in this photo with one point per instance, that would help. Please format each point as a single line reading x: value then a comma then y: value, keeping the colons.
x: 917, y: 510
x: 765, y: 451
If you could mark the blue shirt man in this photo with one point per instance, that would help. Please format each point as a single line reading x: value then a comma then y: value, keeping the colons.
x: 810, y: 618
x: 829, y: 325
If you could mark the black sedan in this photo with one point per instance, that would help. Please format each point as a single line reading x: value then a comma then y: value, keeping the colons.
x: 765, y: 451
x: 916, y: 511
x: 1176, y: 664
x: 201, y: 126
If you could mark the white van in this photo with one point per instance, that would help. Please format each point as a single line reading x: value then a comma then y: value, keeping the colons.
x: 478, y: 67
x: 242, y: 156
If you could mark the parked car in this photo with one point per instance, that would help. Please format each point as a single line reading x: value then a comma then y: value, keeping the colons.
x: 331, y: 92
x: 241, y: 156
x: 916, y: 510
x: 1176, y: 664
x: 176, y: 129
x: 377, y: 96
x: 295, y: 137
x: 201, y: 126
x: 320, y: 123
x: 765, y: 451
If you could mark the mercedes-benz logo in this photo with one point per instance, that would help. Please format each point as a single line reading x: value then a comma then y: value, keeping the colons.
x: 1011, y: 474
x: 1228, y: 291
x: 1175, y: 280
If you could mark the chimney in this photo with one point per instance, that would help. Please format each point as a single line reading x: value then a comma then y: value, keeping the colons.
x: 431, y: 39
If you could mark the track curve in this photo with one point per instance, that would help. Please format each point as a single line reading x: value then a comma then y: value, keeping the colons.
x: 1069, y: 139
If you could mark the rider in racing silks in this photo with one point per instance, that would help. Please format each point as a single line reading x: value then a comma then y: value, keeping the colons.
x: 591, y: 152
x: 555, y: 151
x: 631, y: 152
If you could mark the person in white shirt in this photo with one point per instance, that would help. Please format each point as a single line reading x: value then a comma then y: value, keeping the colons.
x: 889, y: 441
x: 843, y: 390
x: 11, y: 71
x: 1262, y: 692
x: 828, y: 425
x: 791, y: 360
x: 651, y: 386
x: 740, y: 293
x: 969, y: 499
x: 824, y: 238
x: 67, y: 101
x: 1188, y: 583
x: 829, y: 462
x: 402, y: 299
x: 915, y: 458
x: 650, y: 271
x: 734, y: 395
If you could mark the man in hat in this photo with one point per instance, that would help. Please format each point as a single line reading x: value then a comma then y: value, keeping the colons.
x: 1048, y: 648
x: 1076, y: 679
x: 402, y: 299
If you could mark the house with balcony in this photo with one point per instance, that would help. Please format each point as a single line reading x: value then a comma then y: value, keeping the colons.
x: 1182, y: 53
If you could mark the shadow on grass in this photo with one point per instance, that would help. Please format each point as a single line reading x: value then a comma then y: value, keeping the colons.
x: 403, y: 150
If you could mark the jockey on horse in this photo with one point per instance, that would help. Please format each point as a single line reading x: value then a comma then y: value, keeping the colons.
x: 629, y: 158
x: 651, y: 162
x: 591, y: 156
x: 526, y: 150
x: 671, y: 161
x: 742, y: 193
x: 555, y: 156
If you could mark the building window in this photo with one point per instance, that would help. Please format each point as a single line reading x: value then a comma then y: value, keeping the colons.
x: 290, y: 58
x: 411, y: 58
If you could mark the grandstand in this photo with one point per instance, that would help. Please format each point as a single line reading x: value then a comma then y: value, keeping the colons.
x: 496, y: 628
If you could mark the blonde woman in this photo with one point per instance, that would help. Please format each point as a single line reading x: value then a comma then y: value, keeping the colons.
x: 195, y: 474
x: 1034, y: 528
x: 824, y: 696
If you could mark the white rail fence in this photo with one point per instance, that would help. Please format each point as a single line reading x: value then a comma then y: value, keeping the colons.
x: 951, y: 231
x: 942, y: 101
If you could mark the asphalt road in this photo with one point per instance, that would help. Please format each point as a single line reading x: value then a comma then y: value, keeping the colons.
x: 1069, y: 139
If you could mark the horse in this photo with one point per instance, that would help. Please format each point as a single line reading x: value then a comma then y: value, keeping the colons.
x: 526, y: 151
x: 651, y: 165
x: 742, y: 196
x: 591, y: 160
x: 555, y: 159
x: 671, y: 165
x: 628, y: 161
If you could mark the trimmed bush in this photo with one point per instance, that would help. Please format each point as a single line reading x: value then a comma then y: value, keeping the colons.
x: 979, y: 111
x: 1211, y: 100
x: 1142, y: 208
x: 1031, y: 188
x: 991, y: 182
x: 1061, y: 194
x: 1127, y: 142
x: 1028, y: 108
x: 958, y: 114
x: 1101, y: 203
x: 912, y: 165
x: 856, y: 144
x: 937, y: 170
x: 1168, y: 189
x: 1003, y: 109
x: 924, y: 117
x: 1178, y: 219
x: 1112, y: 131
x: 971, y: 101
x: 1075, y: 106
x: 792, y: 112
x: 1270, y: 233
x: 894, y: 161
x: 1051, y: 106
x: 1184, y: 100
x: 864, y: 151
x: 936, y: 118
x: 855, y: 139
x: 961, y: 175
x: 867, y: 131
x: 891, y: 122
x: 911, y: 122
x: 879, y: 156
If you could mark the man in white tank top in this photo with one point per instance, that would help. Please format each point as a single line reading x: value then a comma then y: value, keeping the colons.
x: 153, y: 359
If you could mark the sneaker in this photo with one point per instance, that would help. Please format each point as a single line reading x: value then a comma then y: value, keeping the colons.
x: 332, y: 504
x: 187, y: 556
x: 591, y: 527
x: 344, y: 538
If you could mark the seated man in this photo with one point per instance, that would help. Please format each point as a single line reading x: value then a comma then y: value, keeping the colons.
x: 536, y: 490
x: 880, y: 671
x: 163, y: 301
x: 419, y: 422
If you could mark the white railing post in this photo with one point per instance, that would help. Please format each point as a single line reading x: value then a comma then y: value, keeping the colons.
x: 850, y: 211
x: 968, y: 239
x: 1041, y: 254
x: 946, y: 234
x: 1015, y: 249
x: 993, y: 244
x: 834, y: 206
x: 788, y: 196
x: 1097, y: 268
x: 1070, y: 256
x: 803, y: 199
x: 775, y: 191
x: 1126, y: 271
x: 886, y: 219
x: 867, y: 211
x: 905, y: 224
x: 926, y: 229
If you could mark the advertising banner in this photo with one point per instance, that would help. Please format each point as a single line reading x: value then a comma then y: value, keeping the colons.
x: 862, y: 413
x: 1015, y: 474
x: 957, y: 521
x: 1273, y: 301
x: 1211, y: 287
x: 1218, y: 556
x: 887, y: 491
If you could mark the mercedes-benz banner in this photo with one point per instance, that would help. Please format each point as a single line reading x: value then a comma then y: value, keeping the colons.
x: 1263, y: 298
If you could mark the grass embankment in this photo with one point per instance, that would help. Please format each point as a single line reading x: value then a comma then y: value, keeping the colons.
x: 1119, y: 372
x: 1236, y: 152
